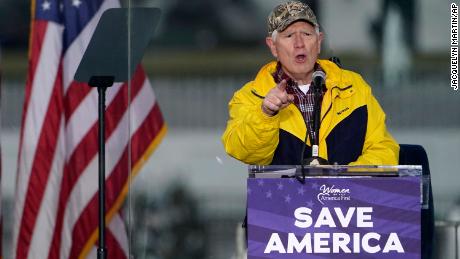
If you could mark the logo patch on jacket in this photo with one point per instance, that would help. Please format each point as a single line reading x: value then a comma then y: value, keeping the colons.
x: 343, y: 110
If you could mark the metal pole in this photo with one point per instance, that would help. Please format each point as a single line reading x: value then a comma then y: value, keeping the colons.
x: 101, y: 251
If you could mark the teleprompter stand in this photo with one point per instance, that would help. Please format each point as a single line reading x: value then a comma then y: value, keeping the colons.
x: 113, y: 54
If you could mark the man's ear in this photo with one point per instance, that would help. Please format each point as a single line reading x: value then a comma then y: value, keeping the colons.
x: 271, y: 46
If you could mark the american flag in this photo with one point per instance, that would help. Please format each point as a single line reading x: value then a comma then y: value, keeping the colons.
x: 56, y: 202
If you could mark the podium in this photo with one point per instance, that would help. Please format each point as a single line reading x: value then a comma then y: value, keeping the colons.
x: 335, y: 211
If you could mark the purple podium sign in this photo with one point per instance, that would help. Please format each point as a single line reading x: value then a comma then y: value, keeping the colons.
x: 334, y: 217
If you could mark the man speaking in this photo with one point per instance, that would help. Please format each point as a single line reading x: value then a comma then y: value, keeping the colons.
x: 272, y: 117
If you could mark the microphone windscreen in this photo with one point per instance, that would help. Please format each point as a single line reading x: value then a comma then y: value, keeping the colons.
x: 319, y: 73
x: 319, y: 77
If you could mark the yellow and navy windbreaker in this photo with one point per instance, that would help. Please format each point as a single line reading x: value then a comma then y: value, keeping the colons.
x: 352, y: 127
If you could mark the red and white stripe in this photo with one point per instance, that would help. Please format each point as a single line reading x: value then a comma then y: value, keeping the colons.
x: 56, y: 195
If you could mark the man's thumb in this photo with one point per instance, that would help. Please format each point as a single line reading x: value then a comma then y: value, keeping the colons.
x: 282, y: 85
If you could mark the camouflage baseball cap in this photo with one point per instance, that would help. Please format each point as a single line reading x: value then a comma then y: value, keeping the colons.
x: 286, y: 13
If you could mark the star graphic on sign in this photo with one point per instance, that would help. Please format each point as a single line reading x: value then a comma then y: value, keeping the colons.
x: 46, y: 5
x: 300, y: 190
x: 76, y: 3
x: 249, y: 191
x: 260, y: 182
x: 268, y: 195
x: 315, y: 186
x: 287, y: 198
x: 291, y: 179
x: 310, y: 204
x: 280, y: 186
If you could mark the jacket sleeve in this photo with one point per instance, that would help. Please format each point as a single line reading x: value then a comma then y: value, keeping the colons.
x: 380, y: 148
x: 250, y: 136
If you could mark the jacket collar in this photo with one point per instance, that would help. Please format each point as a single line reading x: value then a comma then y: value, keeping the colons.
x: 280, y: 75
x: 337, y: 80
x: 335, y: 76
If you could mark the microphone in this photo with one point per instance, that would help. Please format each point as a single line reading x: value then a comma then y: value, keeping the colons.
x: 319, y: 79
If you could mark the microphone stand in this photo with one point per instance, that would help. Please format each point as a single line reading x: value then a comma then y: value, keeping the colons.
x: 315, y: 159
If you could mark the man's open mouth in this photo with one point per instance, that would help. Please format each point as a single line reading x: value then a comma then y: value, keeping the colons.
x: 301, y: 58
